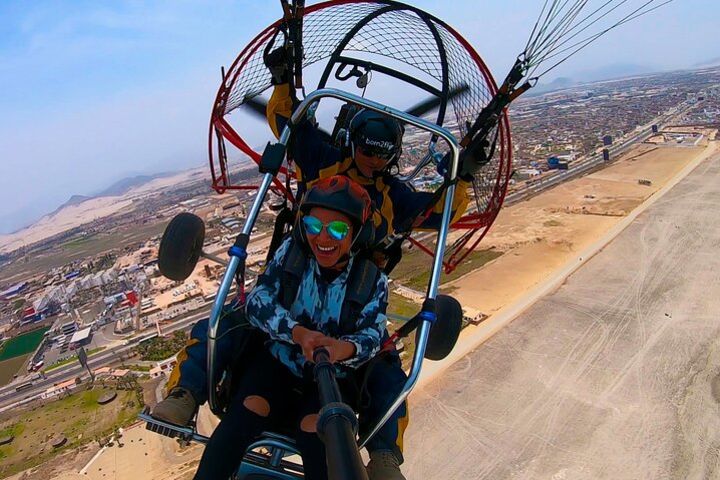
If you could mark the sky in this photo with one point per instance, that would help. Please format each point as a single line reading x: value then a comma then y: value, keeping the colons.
x: 92, y: 92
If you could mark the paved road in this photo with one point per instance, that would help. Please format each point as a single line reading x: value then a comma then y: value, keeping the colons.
x: 614, y: 375
x: 8, y: 395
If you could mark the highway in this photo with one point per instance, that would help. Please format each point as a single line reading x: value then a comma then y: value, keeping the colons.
x: 587, y: 164
x: 9, y: 396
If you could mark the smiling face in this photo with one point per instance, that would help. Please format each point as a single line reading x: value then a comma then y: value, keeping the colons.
x: 368, y: 165
x: 327, y: 250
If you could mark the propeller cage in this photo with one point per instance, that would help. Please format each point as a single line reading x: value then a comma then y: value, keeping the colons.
x: 387, y: 38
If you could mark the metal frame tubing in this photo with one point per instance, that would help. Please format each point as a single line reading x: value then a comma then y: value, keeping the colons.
x: 424, y: 329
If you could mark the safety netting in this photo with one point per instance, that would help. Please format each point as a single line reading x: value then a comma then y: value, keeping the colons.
x: 409, y: 43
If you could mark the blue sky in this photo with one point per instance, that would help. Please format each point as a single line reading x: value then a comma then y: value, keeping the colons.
x: 91, y: 92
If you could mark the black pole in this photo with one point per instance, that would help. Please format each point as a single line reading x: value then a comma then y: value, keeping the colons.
x: 337, y: 424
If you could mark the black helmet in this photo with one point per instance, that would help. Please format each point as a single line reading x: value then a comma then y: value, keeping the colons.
x: 342, y: 194
x: 377, y: 134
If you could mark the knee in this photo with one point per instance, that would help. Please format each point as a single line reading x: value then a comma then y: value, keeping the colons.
x: 199, y: 330
x: 257, y: 405
x: 309, y: 423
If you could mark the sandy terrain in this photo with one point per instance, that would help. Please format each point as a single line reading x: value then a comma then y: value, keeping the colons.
x: 144, y: 455
x: 76, y: 215
x: 546, y: 231
x: 613, y: 375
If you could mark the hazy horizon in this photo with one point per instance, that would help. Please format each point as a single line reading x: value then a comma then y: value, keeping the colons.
x: 93, y: 93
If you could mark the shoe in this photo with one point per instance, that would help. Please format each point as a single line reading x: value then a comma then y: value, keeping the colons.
x: 178, y: 407
x: 384, y: 466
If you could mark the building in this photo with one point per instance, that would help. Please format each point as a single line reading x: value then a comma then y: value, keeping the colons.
x: 68, y: 328
x: 607, y: 140
x: 81, y: 338
x: 29, y: 315
x: 13, y: 291
x: 163, y: 367
x: 525, y: 173
x: 72, y: 275
x: 231, y: 223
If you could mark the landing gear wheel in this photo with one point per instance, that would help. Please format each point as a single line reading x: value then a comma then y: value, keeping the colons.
x: 446, y: 329
x: 181, y: 246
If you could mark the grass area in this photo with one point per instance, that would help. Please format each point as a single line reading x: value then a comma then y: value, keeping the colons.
x: 414, y: 269
x: 399, y: 305
x: 78, y: 249
x: 77, y: 242
x: 160, y: 348
x: 78, y: 417
x: 140, y: 368
x: 22, y: 344
x: 12, y: 431
x: 72, y: 359
x: 10, y: 367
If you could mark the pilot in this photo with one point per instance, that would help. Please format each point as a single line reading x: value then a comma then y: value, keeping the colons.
x: 369, y: 155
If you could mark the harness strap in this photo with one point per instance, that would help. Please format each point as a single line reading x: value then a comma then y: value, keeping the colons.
x: 293, y: 270
x: 362, y: 281
x: 283, y: 224
x: 361, y: 284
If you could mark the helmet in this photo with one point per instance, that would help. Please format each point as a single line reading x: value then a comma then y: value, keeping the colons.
x: 342, y: 194
x: 377, y: 133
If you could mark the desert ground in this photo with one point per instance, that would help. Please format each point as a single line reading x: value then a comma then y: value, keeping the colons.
x: 543, y: 233
x: 556, y: 355
x: 76, y: 215
x: 613, y: 375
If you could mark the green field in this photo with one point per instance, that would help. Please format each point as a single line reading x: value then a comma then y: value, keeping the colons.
x: 414, y: 269
x: 22, y: 344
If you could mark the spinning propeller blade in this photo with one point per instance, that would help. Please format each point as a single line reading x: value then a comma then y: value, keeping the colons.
x: 433, y: 102
x: 257, y: 106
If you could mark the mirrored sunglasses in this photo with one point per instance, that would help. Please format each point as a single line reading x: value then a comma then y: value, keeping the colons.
x: 337, y: 229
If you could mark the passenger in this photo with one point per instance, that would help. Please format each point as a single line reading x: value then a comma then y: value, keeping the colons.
x: 334, y: 222
x: 369, y: 156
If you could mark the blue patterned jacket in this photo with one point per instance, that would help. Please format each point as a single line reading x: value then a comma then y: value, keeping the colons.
x: 317, y: 306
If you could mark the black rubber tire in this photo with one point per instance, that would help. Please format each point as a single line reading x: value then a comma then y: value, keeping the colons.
x: 181, y: 246
x: 446, y: 330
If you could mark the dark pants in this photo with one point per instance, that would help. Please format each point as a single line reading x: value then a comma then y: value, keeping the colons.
x: 290, y: 399
x: 383, y: 379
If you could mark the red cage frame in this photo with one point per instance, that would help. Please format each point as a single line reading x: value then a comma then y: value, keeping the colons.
x: 477, y: 224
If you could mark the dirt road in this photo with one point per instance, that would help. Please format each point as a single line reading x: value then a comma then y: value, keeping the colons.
x: 614, y: 375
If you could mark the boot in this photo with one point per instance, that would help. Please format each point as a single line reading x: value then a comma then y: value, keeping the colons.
x: 178, y: 407
x: 384, y: 466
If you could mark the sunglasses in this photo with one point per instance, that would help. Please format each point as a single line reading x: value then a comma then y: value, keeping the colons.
x: 373, y: 152
x: 337, y: 229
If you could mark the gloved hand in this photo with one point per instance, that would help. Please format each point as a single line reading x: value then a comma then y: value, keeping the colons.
x: 473, y: 158
x: 277, y: 63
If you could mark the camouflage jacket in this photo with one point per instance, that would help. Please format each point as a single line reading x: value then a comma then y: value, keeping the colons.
x: 317, y: 306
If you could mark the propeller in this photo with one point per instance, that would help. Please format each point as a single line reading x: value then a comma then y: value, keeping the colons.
x: 430, y: 103
x: 258, y: 106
